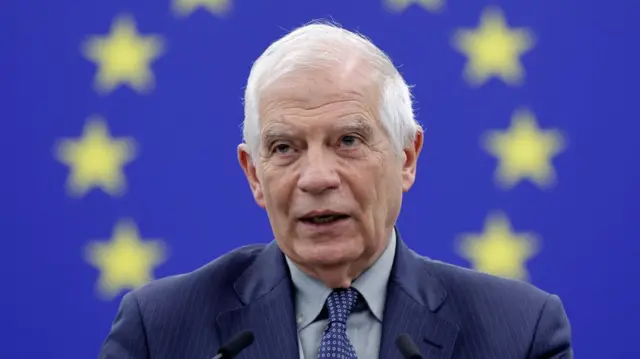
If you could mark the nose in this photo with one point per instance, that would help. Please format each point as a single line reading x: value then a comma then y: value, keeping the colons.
x: 318, y: 174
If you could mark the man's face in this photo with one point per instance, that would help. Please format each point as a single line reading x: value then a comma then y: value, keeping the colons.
x: 326, y: 172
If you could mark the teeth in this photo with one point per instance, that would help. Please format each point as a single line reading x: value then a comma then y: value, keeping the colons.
x: 324, y: 219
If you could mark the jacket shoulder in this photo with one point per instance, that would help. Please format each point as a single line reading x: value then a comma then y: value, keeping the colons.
x: 483, y: 283
x: 482, y: 303
x: 206, y: 289
x: 474, y: 284
x: 533, y: 319
x: 151, y: 317
x: 217, y: 275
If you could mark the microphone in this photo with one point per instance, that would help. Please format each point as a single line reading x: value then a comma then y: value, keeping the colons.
x: 407, y: 347
x: 235, y: 345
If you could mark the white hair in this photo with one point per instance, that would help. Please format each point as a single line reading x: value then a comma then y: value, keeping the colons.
x: 322, y: 44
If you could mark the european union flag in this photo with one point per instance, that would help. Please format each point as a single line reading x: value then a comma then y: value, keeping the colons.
x: 120, y: 121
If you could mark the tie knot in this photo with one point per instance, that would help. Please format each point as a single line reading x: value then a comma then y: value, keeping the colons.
x: 341, y: 303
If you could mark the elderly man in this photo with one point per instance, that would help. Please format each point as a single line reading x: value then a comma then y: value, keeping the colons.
x: 331, y: 145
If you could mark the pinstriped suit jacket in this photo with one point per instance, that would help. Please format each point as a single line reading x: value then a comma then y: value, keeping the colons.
x: 450, y: 312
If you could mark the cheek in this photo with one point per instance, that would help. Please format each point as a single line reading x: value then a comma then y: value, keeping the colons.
x: 386, y: 187
x: 277, y: 191
x: 367, y: 185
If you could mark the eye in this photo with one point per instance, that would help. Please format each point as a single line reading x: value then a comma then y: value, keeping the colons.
x: 349, y: 141
x: 281, y: 148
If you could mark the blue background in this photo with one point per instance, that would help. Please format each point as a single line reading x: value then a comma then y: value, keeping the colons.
x: 186, y: 187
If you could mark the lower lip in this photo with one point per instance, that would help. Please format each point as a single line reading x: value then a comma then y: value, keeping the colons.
x: 325, y: 227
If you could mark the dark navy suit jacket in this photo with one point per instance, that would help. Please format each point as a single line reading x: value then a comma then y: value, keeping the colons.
x: 450, y: 312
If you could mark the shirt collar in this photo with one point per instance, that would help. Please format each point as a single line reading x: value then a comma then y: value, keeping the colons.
x: 311, y: 294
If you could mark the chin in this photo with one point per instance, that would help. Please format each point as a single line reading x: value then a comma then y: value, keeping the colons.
x: 328, y: 253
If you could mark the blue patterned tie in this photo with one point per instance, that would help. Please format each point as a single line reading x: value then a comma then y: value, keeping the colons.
x: 335, y: 343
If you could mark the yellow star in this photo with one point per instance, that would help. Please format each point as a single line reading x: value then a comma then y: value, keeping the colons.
x: 429, y: 5
x: 498, y: 250
x: 524, y: 151
x: 96, y: 159
x: 123, y: 57
x: 184, y: 8
x: 493, y: 49
x: 126, y: 261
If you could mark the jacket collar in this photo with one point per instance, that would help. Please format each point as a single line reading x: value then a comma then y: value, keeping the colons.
x: 414, y: 296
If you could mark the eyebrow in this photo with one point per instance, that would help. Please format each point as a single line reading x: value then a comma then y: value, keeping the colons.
x: 357, y: 125
x: 273, y: 133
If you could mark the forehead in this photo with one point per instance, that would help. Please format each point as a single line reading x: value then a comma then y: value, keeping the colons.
x: 320, y: 97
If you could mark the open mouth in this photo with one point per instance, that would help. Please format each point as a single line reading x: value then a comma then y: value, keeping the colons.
x: 324, y: 218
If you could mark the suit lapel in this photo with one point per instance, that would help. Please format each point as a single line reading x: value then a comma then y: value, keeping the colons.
x: 268, y: 310
x: 414, y: 296
x: 413, y: 299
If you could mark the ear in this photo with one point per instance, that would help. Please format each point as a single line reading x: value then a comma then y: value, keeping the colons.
x: 249, y: 169
x: 410, y: 164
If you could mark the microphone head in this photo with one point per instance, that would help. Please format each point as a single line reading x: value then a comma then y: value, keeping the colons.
x: 237, y: 344
x: 407, y: 347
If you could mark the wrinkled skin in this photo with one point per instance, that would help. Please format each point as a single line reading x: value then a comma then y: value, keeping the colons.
x: 323, y: 148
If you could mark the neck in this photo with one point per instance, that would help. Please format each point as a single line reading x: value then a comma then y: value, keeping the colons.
x: 336, y: 276
x: 341, y: 275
